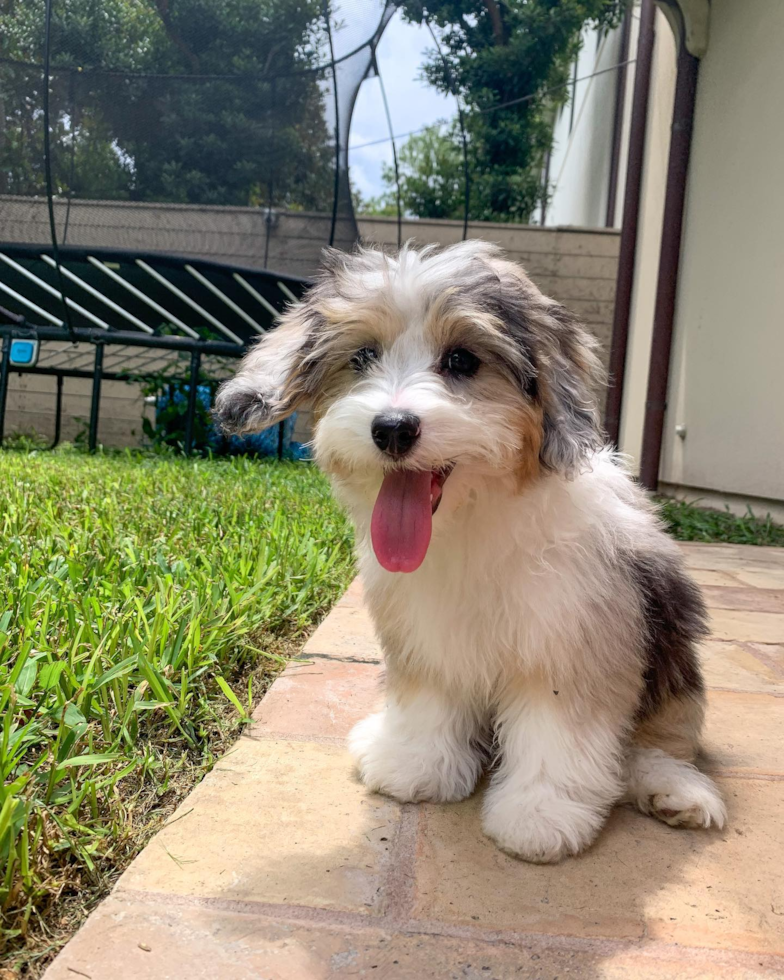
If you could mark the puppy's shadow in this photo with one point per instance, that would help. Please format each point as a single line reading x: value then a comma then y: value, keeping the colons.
x: 421, y: 885
x: 641, y: 881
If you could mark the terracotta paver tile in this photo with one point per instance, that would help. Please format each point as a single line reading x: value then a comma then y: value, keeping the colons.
x: 772, y: 578
x: 756, y: 600
x: 346, y: 634
x: 745, y: 731
x: 275, y: 821
x: 641, y: 878
x: 352, y: 596
x: 131, y: 939
x: 280, y: 866
x: 719, y: 557
x: 321, y: 698
x: 742, y: 666
x: 735, y: 565
x: 771, y: 653
x: 745, y: 625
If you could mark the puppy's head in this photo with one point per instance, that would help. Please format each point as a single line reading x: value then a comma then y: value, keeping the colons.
x: 419, y: 364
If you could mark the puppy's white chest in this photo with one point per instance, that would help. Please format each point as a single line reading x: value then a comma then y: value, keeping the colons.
x: 451, y: 621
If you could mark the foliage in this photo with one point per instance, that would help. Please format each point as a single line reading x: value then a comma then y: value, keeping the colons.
x: 138, y: 592
x: 171, y: 412
x: 432, y: 176
x: 494, y: 52
x: 169, y: 100
x: 688, y: 522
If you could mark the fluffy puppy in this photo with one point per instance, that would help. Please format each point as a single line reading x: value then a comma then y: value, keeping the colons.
x: 531, y: 610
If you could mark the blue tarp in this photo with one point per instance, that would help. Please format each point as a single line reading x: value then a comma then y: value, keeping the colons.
x: 265, y: 443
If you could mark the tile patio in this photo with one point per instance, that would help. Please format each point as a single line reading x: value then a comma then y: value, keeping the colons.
x: 279, y: 866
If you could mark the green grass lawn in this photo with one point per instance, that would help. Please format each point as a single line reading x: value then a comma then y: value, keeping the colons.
x: 146, y: 604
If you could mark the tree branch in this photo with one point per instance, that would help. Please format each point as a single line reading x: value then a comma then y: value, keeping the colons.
x: 495, y: 19
x: 175, y: 37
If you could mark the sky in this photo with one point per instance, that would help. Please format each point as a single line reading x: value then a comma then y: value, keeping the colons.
x: 412, y: 102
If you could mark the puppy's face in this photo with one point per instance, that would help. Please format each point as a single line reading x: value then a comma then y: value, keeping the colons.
x: 418, y: 367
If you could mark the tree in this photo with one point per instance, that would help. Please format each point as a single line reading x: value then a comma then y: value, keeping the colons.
x: 495, y: 52
x: 171, y: 100
x: 432, y: 183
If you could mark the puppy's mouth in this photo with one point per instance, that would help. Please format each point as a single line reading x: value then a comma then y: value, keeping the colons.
x: 402, y: 520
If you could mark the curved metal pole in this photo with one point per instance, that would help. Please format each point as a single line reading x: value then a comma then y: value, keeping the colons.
x: 48, y: 163
x: 95, y: 402
x: 193, y: 392
x: 336, y: 190
x: 394, y: 152
x: 461, y: 118
x: 4, y: 366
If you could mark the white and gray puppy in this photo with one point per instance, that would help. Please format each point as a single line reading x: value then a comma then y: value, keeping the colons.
x: 535, y: 618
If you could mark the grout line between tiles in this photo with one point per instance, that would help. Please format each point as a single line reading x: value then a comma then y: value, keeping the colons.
x: 387, y: 923
x: 400, y: 881
x: 331, y: 656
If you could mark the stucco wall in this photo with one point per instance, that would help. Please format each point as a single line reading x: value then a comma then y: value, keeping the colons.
x: 576, y: 266
x: 32, y: 400
x: 727, y: 383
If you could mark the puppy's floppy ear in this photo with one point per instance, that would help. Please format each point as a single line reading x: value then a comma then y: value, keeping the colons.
x: 569, y: 375
x: 557, y: 365
x: 271, y: 381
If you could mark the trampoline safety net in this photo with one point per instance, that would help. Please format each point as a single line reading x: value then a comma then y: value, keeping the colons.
x: 170, y: 171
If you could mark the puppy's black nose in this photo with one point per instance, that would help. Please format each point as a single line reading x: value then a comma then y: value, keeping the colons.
x: 396, y: 433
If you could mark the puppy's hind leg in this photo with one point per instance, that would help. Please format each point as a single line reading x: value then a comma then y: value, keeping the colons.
x: 661, y: 778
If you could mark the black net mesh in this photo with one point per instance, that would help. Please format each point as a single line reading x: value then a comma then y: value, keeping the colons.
x: 238, y: 110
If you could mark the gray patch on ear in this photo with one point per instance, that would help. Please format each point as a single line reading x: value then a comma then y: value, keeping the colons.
x: 570, y: 422
x: 239, y: 408
x: 571, y: 419
x: 555, y: 364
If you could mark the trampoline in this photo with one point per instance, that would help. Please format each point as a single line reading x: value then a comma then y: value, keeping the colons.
x: 130, y: 125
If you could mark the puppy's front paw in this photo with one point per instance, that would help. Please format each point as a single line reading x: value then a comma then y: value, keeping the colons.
x: 408, y: 768
x: 541, y: 827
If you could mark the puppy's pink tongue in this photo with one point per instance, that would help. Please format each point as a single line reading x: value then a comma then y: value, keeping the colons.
x: 403, y: 520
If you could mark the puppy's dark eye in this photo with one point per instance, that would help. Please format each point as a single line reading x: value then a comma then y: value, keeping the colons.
x: 460, y: 363
x: 363, y: 357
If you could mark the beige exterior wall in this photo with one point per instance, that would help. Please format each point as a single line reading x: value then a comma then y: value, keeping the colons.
x: 579, y: 171
x: 726, y: 385
x: 727, y: 381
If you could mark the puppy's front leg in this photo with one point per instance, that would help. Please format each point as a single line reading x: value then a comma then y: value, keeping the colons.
x: 559, y: 773
x: 422, y: 746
